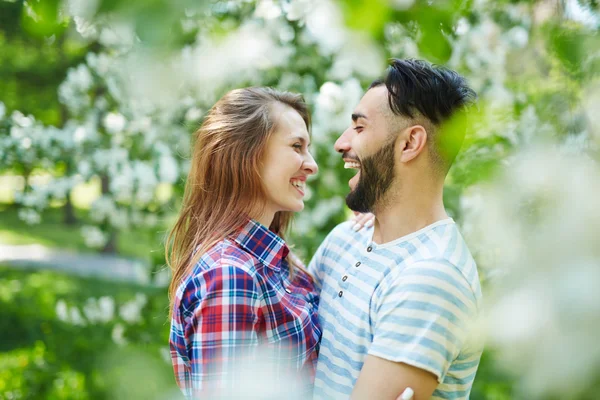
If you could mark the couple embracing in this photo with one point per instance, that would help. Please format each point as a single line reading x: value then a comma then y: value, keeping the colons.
x: 379, y: 309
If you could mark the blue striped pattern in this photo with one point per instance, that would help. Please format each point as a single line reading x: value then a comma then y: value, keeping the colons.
x: 413, y: 300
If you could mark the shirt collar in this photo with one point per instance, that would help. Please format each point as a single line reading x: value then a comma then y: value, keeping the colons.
x: 262, y: 243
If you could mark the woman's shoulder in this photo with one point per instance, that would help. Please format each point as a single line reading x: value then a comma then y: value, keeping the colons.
x: 221, y: 263
x: 225, y: 254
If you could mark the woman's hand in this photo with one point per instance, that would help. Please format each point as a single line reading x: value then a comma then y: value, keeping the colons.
x: 362, y: 221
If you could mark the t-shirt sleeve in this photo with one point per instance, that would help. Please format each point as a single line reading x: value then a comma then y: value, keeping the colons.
x: 423, y: 316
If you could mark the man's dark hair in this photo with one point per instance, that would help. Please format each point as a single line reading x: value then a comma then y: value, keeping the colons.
x: 420, y: 89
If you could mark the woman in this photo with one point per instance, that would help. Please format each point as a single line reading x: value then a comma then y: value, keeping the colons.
x: 233, y: 289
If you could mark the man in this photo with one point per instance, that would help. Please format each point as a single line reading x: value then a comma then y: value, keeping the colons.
x: 398, y: 301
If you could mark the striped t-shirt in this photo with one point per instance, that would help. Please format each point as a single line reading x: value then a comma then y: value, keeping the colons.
x: 412, y: 300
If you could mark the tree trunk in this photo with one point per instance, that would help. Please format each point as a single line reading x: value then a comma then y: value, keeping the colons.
x: 111, y: 244
x: 69, y: 215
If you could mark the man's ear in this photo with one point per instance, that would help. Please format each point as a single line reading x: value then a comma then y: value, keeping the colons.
x: 413, y: 141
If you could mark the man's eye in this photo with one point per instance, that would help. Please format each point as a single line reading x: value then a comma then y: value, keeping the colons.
x: 297, y: 146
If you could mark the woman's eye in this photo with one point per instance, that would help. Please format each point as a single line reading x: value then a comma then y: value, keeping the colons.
x: 297, y: 146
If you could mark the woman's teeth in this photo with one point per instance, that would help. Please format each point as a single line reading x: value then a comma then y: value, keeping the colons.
x: 299, y: 184
x: 351, y: 165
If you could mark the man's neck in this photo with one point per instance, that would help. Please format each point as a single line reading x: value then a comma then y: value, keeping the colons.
x: 408, y: 213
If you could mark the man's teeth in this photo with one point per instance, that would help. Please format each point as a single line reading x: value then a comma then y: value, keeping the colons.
x: 351, y: 164
x: 300, y: 185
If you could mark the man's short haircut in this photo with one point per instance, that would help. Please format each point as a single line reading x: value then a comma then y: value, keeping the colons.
x: 418, y: 89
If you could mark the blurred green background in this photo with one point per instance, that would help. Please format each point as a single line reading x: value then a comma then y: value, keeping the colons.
x: 98, y: 100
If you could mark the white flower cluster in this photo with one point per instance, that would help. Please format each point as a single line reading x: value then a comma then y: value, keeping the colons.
x: 333, y: 108
x: 102, y: 311
x: 131, y: 312
x: 93, y: 236
x: 539, y: 223
x: 106, y: 125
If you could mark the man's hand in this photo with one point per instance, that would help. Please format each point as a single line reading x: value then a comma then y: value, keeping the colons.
x: 386, y: 380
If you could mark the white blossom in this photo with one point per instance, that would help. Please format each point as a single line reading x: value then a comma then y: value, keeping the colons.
x: 517, y: 37
x: 100, y: 63
x: 75, y: 316
x: 118, y: 34
x: 168, y: 170
x: 106, y: 308
x: 193, y: 114
x: 130, y: 312
x: 31, y: 217
x: 118, y: 334
x: 538, y: 305
x: 267, y: 9
x: 402, y: 4
x: 114, y: 122
x: 81, y: 8
x: 334, y: 106
x: 325, y: 25
x: 146, y: 181
x: 358, y: 47
x: 93, y: 236
x: 62, y: 311
x: 122, y: 183
x: 296, y: 10
x: 86, y: 28
x: 99, y: 310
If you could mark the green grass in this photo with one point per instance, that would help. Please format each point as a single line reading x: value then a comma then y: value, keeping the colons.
x: 52, y: 232
x: 42, y: 357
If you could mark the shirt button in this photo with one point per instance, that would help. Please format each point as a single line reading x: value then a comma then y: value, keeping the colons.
x: 369, y: 249
x: 340, y: 293
x: 344, y: 278
x: 357, y: 264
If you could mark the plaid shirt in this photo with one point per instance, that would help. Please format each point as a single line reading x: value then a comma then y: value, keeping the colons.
x: 238, y: 299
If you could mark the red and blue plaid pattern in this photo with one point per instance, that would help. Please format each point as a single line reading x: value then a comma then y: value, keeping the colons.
x: 240, y: 298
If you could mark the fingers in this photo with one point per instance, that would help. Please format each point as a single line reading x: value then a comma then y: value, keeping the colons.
x: 363, y: 220
x: 407, y: 394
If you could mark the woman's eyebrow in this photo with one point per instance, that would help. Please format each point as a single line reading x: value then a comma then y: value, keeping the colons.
x: 302, y: 139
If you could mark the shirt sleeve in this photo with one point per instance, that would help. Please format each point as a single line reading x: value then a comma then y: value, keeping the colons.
x: 423, y: 317
x: 221, y: 327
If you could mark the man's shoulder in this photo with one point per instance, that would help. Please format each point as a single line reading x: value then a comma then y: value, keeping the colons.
x: 452, y: 256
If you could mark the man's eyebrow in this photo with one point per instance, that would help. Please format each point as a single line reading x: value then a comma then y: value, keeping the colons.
x: 356, y: 116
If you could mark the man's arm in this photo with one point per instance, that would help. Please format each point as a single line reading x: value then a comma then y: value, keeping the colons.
x: 384, y: 379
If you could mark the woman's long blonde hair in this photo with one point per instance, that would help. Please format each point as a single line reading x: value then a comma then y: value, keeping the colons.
x: 224, y: 184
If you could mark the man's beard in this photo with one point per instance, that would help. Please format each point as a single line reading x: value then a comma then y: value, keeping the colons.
x: 376, y: 177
